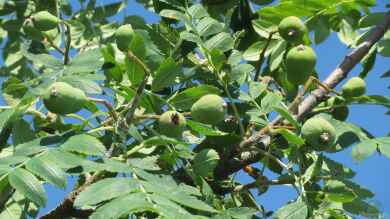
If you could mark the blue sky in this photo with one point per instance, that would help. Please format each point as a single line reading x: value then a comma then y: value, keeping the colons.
x: 371, y: 173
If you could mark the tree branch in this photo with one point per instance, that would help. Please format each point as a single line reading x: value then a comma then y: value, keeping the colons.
x: 259, y: 64
x: 66, y: 207
x: 67, y: 44
x: 312, y: 100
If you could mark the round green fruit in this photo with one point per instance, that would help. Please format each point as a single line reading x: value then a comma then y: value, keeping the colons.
x: 319, y: 133
x: 123, y: 36
x: 45, y: 21
x: 300, y: 63
x: 172, y: 124
x: 209, y: 109
x: 355, y: 87
x: 292, y: 29
x: 61, y: 98
x: 338, y: 112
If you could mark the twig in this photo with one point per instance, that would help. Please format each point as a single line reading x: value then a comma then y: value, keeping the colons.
x: 51, y: 43
x: 350, y: 61
x: 107, y: 104
x: 66, y: 207
x: 137, y: 97
x: 67, y: 43
x: 259, y: 64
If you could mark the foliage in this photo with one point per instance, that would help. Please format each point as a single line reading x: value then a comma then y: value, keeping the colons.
x: 123, y: 165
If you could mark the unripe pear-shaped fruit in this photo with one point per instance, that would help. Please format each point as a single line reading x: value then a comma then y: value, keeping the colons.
x: 319, y: 133
x: 292, y: 29
x: 172, y: 124
x: 62, y: 98
x: 339, y: 111
x: 300, y: 63
x: 355, y: 87
x: 45, y: 21
x: 123, y: 36
x: 209, y: 109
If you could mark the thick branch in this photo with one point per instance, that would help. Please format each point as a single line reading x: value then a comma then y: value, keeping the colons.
x: 312, y: 100
x: 349, y: 62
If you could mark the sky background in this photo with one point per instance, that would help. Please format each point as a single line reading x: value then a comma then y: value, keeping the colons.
x: 373, y: 173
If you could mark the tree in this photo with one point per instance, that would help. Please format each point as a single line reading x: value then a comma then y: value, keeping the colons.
x: 154, y: 120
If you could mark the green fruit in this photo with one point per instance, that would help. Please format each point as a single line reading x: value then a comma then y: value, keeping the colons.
x: 123, y: 36
x: 209, y: 109
x: 319, y: 133
x: 300, y: 63
x: 172, y: 124
x: 61, y: 98
x: 355, y: 87
x: 45, y: 21
x: 32, y: 32
x: 292, y: 29
x: 339, y: 112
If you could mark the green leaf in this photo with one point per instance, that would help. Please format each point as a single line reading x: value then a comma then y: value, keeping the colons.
x: 28, y: 185
x: 181, y: 198
x: 337, y: 191
x: 165, y: 75
x: 83, y: 83
x: 270, y: 101
x: 222, y: 41
x: 205, y: 162
x: 277, y: 54
x: 336, y: 169
x: 47, y: 170
x: 21, y: 132
x: 85, y: 144
x: 321, y: 30
x: 204, y: 129
x: 104, y: 190
x: 45, y: 60
x: 283, y: 111
x: 371, y: 19
x: 347, y: 34
x: 291, y: 137
x: 208, y: 26
x: 217, y: 58
x: 241, y: 212
x: 256, y: 89
x: 107, y: 10
x: 88, y: 61
x: 172, y: 14
x: 364, y: 149
x: 313, y: 170
x: 145, y: 163
x: 241, y: 72
x: 186, y: 98
x: 383, y: 45
x: 197, y: 11
x: 359, y: 207
x: 4, y: 169
x: 68, y: 160
x: 368, y: 62
x: 253, y: 52
x: 295, y: 210
x: 121, y: 206
x: 5, y: 116
x: 384, y: 145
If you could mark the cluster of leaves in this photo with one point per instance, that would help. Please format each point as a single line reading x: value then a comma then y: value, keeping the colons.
x: 197, y: 48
